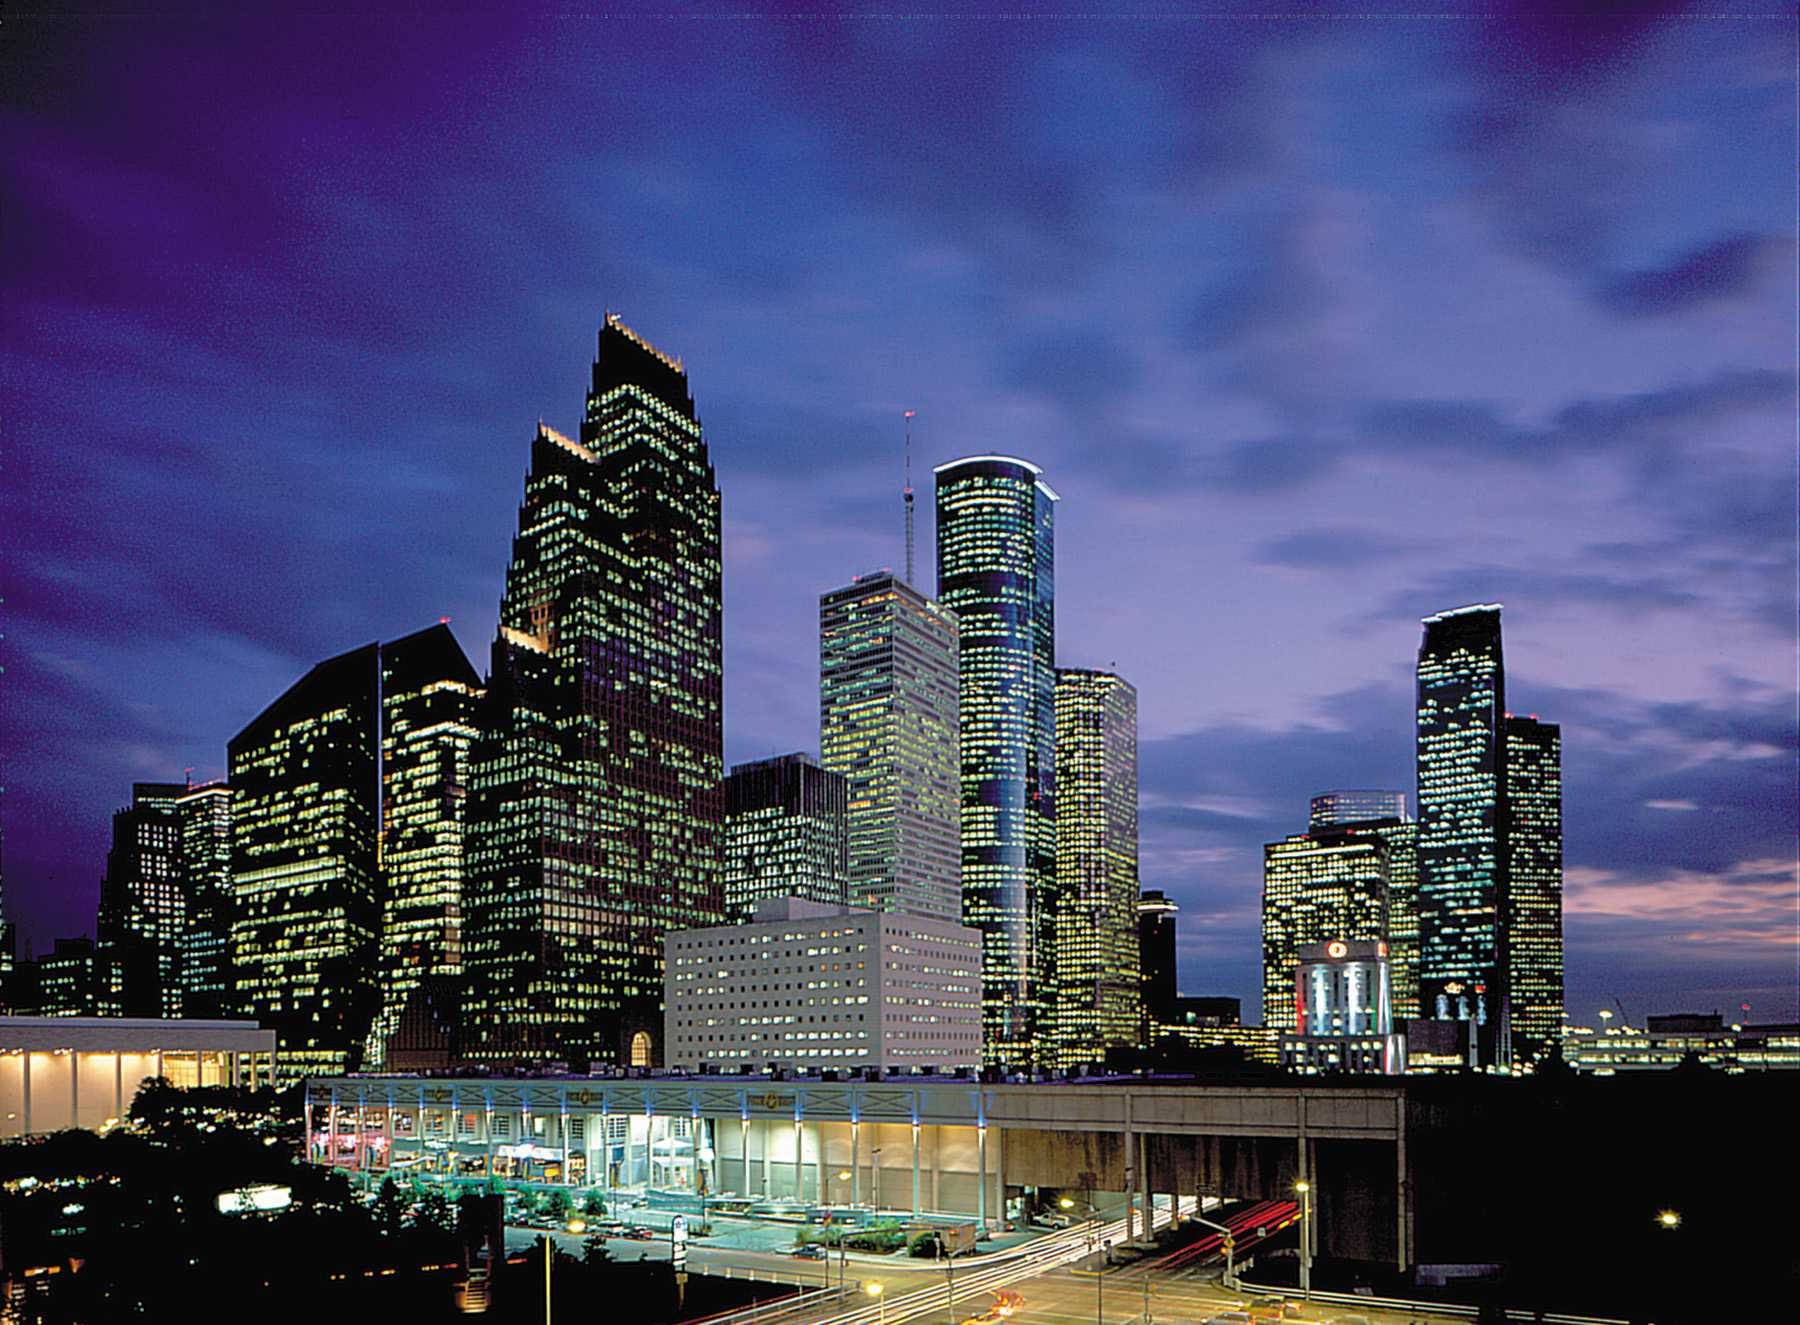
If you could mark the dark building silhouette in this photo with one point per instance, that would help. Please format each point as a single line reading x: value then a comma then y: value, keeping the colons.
x: 596, y: 808
x: 1156, y: 956
x: 142, y: 919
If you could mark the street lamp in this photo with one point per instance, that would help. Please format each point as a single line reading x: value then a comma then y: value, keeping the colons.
x: 874, y: 1290
x: 1304, y: 1189
x: 1669, y: 1219
x: 875, y: 1179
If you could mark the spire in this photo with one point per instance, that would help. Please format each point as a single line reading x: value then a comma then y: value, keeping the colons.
x: 907, y: 494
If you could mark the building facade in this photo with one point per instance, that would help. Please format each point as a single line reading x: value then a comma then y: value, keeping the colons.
x: 143, y: 904
x: 1534, y: 937
x: 1345, y: 1012
x: 1461, y: 799
x: 1098, y: 998
x: 61, y: 1072
x: 1332, y: 808
x: 996, y: 570
x: 429, y: 700
x: 785, y: 834
x: 208, y: 981
x: 596, y: 805
x: 888, y: 721
x: 1317, y: 888
x: 1402, y: 838
x: 306, y: 813
x: 804, y: 985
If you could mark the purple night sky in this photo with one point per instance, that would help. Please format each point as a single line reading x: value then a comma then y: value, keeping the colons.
x: 1317, y: 326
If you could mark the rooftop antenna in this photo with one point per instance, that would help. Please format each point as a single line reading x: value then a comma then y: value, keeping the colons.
x: 907, y: 494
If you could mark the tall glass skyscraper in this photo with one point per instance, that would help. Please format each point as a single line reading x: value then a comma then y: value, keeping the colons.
x: 429, y: 696
x: 596, y: 807
x: 784, y: 834
x: 888, y: 724
x: 996, y: 570
x: 1461, y: 800
x: 1534, y: 937
x: 1098, y: 999
x: 1320, y: 887
x: 305, y: 817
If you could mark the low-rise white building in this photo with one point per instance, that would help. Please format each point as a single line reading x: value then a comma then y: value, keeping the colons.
x: 808, y: 985
x: 58, y: 1072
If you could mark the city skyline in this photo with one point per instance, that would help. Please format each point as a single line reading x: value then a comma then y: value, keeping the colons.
x: 1627, y: 416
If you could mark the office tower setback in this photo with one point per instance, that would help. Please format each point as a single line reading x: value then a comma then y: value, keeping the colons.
x: 888, y: 723
x: 596, y: 806
x: 1345, y: 1016
x: 1156, y: 959
x: 1098, y: 1000
x: 784, y: 834
x: 996, y: 570
x: 1461, y: 795
x: 1318, y: 887
x: 1332, y: 808
x: 307, y: 906
x: 143, y: 905
x: 208, y: 984
x: 1534, y: 938
x: 429, y: 695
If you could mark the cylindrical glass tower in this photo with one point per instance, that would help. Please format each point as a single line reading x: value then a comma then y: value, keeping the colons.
x: 996, y: 558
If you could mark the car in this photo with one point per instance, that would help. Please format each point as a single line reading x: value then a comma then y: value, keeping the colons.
x: 1350, y: 1320
x: 1273, y: 1308
x: 1228, y: 1318
x: 638, y: 1233
x: 811, y: 1251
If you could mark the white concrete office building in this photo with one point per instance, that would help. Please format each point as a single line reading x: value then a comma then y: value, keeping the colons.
x: 808, y: 985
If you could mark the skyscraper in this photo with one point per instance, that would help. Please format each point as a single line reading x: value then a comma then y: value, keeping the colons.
x: 596, y: 806
x: 1534, y: 939
x: 429, y: 694
x: 1098, y: 999
x: 143, y: 905
x: 1323, y: 887
x: 888, y: 724
x: 1461, y: 800
x: 1331, y: 808
x: 1402, y: 838
x: 784, y: 835
x: 1156, y: 959
x: 996, y: 542
x: 307, y: 906
x: 208, y: 984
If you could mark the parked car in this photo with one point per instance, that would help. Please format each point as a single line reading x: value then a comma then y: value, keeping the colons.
x: 810, y: 1251
x: 1228, y: 1318
x: 1350, y: 1320
x: 638, y: 1233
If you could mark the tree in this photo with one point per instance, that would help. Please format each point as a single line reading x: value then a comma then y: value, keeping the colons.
x: 390, y: 1207
x: 434, y: 1210
x: 594, y: 1250
x: 558, y: 1205
x: 593, y: 1204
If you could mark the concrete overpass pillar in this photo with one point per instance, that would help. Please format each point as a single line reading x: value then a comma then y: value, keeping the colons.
x: 1148, y: 1186
x: 1130, y: 1176
x: 1403, y: 1231
x: 855, y: 1161
x: 937, y: 1166
x: 744, y: 1152
x: 915, y: 1148
x: 981, y: 1177
x: 799, y: 1156
x: 1000, y: 1176
x: 768, y: 1164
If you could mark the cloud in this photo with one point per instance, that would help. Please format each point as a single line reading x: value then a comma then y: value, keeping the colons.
x: 1687, y: 806
x: 1334, y: 548
x: 1720, y: 270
